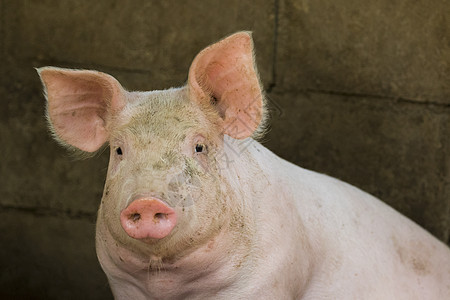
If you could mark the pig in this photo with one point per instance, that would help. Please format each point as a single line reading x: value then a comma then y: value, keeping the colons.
x: 194, y: 207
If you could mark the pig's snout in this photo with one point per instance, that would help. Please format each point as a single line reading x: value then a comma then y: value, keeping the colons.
x: 148, y: 218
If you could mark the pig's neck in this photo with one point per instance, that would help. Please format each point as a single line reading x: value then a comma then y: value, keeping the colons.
x: 282, y: 245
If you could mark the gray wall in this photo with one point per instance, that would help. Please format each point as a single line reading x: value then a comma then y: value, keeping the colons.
x: 359, y: 90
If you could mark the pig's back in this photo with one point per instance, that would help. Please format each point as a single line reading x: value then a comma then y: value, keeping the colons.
x: 369, y: 250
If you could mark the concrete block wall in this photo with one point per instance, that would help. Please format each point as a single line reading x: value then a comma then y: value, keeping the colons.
x: 358, y: 90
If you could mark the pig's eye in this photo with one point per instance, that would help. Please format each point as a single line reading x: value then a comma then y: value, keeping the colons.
x: 200, y: 148
x: 119, y: 151
x: 213, y: 100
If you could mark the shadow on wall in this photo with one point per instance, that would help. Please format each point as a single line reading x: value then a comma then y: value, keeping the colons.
x: 360, y: 93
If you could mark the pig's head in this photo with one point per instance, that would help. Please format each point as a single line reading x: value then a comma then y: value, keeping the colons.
x: 165, y: 192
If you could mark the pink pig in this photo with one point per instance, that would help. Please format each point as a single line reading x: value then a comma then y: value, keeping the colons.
x: 195, y: 208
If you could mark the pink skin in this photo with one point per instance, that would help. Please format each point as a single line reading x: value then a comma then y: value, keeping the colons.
x: 148, y: 218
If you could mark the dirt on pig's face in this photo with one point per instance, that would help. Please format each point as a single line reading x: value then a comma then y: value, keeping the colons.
x: 164, y: 146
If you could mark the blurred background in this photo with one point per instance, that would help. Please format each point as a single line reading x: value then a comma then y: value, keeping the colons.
x: 359, y: 90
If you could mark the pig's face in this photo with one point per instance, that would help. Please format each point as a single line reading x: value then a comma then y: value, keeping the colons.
x: 164, y: 146
x: 168, y: 188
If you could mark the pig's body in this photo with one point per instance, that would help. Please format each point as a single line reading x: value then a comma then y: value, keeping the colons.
x: 193, y: 208
x: 314, y: 237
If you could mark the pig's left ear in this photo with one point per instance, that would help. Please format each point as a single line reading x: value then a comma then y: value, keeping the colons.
x: 224, y: 75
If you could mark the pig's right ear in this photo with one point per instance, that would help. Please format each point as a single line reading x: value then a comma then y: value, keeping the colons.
x: 78, y: 105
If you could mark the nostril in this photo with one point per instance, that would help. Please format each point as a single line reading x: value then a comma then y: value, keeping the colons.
x: 159, y: 216
x: 135, y: 217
